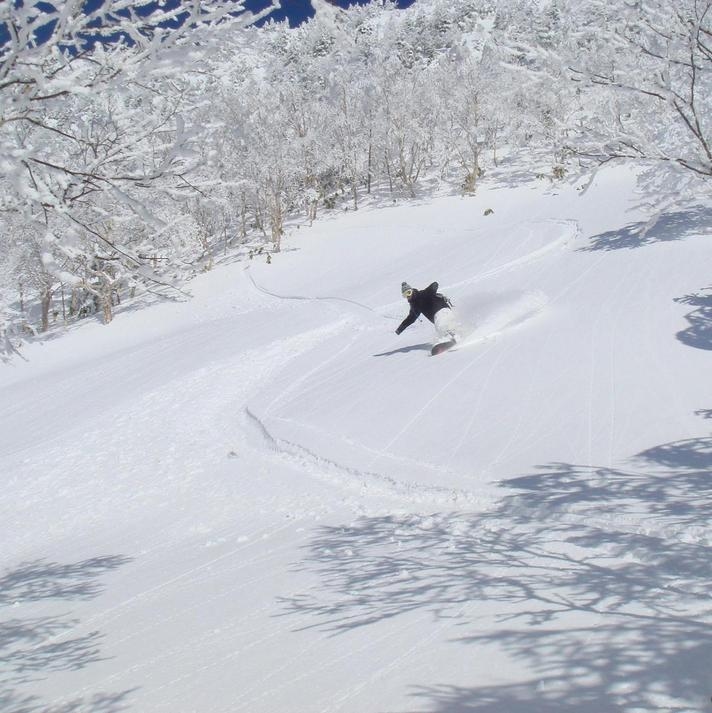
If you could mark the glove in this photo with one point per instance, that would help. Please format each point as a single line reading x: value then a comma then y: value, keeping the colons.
x: 398, y: 331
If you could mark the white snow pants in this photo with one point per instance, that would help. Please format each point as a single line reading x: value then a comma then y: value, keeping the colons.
x: 447, y: 325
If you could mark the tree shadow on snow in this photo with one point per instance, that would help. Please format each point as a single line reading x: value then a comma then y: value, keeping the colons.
x: 670, y: 226
x: 425, y: 346
x: 599, y: 578
x: 34, y: 647
x: 699, y: 332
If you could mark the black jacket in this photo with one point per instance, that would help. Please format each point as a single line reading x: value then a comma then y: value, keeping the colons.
x: 426, y: 302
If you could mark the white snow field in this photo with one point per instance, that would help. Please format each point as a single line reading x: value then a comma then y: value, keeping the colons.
x: 263, y: 500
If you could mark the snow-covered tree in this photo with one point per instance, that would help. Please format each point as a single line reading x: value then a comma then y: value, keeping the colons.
x: 658, y: 73
x: 137, y: 141
x: 93, y: 128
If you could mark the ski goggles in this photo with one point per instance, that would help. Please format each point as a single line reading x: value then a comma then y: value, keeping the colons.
x: 408, y: 294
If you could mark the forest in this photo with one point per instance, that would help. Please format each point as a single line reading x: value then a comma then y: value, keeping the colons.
x: 135, y: 153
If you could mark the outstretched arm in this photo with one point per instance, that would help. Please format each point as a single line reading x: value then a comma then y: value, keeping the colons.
x: 412, y: 316
x: 432, y: 287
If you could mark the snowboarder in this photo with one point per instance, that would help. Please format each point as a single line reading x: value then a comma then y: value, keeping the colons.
x: 437, y: 308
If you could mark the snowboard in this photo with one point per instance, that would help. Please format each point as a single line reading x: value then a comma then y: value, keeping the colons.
x: 442, y: 347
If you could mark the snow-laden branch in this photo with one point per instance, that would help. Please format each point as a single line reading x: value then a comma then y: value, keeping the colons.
x: 92, y: 129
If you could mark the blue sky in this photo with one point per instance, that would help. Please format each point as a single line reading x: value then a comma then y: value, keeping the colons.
x: 297, y: 11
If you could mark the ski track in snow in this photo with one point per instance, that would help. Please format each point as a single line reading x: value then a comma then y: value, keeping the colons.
x: 570, y: 233
x: 262, y: 362
x: 514, y: 314
x: 187, y: 579
x: 358, y: 482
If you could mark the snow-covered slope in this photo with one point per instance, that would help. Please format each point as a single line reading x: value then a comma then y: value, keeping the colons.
x: 264, y: 500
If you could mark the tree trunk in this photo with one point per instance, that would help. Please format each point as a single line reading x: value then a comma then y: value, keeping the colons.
x: 243, y: 216
x: 369, y: 169
x: 388, y: 171
x: 277, y: 222
x: 105, y: 302
x: 46, y: 301
x: 74, y: 302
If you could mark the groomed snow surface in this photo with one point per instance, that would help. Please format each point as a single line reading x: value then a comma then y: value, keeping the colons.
x: 263, y: 500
